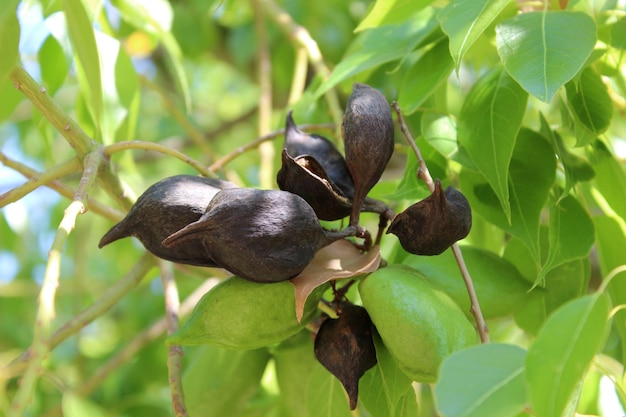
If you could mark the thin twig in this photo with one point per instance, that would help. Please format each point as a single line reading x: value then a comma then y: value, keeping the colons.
x: 303, y: 39
x: 223, y: 161
x: 122, y: 357
x: 152, y: 146
x: 424, y: 175
x: 66, y: 191
x: 174, y: 352
x: 66, y: 168
x: 70, y: 130
x: 196, y: 135
x: 46, y: 312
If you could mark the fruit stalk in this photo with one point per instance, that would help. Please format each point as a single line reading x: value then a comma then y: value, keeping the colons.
x: 424, y: 174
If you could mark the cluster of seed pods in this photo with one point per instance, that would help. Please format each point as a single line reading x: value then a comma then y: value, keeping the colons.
x: 270, y: 236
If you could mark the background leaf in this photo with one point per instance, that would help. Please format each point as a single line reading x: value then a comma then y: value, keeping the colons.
x: 9, y: 38
x: 497, y: 387
x: 489, y: 141
x: 326, y: 396
x: 562, y: 352
x: 544, y: 50
x: 465, y: 21
x: 590, y: 102
x: 388, y: 12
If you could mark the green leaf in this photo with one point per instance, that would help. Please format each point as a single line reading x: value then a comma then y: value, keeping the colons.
x: 571, y: 234
x: 84, y: 41
x: 544, y: 50
x: 576, y: 168
x: 220, y: 382
x: 497, y: 387
x: 563, y: 350
x: 611, y: 241
x: 378, y: 46
x: 426, y: 74
x: 75, y: 406
x: 9, y: 38
x: 155, y: 17
x: 390, y: 12
x: 54, y: 66
x: 589, y: 100
x: 326, y: 396
x: 410, y: 187
x: 610, y: 177
x: 465, y: 21
x: 489, y: 122
x: 532, y: 173
x: 384, y: 388
x: 618, y: 33
x: 500, y: 288
x: 440, y: 131
x: 11, y: 97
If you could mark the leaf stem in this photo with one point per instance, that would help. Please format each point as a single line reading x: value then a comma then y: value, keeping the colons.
x: 65, y: 168
x: 424, y: 175
x: 40, y: 347
x: 303, y: 39
x: 152, y: 146
x: 174, y: 352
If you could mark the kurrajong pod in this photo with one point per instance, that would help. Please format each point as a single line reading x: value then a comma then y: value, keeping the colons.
x: 345, y: 346
x: 259, y: 235
x: 368, y: 134
x: 313, y: 168
x: 433, y: 224
x: 165, y: 207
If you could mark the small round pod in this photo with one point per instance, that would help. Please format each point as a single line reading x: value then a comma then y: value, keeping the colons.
x: 433, y: 224
x: 165, y: 207
x: 368, y: 134
x: 260, y: 235
x: 418, y: 324
x: 240, y: 314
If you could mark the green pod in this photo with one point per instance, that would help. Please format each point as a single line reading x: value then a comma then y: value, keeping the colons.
x: 242, y: 314
x: 419, y: 325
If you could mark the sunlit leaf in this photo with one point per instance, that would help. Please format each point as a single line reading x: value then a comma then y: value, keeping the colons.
x: 544, y: 50
x: 571, y: 234
x: 9, y: 38
x: 76, y: 406
x: 440, y: 131
x: 340, y: 259
x: 610, y: 177
x: 430, y: 70
x: 560, y: 355
x: 384, y: 388
x: 497, y: 388
x: 54, y: 67
x: 490, y: 119
x: 389, y: 12
x: 326, y: 396
x: 220, y: 382
x: 380, y: 45
x: 465, y: 21
x: 532, y: 174
x: 84, y: 42
x: 590, y: 102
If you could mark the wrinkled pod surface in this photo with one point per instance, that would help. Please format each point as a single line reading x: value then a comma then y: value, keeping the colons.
x: 164, y: 208
x: 368, y: 134
x: 259, y: 235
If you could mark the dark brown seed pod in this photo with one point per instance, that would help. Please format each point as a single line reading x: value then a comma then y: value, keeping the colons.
x: 368, y: 134
x: 313, y: 168
x: 259, y: 235
x: 345, y: 347
x: 433, y: 224
x: 299, y: 143
x: 165, y: 207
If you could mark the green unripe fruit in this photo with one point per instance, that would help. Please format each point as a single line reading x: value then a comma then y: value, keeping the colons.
x: 418, y: 324
x: 242, y: 314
